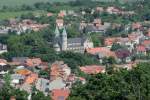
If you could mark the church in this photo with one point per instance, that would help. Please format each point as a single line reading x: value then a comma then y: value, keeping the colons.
x: 62, y: 43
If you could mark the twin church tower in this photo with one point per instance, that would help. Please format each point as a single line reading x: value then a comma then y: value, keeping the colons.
x: 62, y: 43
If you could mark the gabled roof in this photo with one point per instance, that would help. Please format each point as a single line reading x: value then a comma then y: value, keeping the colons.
x: 23, y: 72
x: 92, y: 69
x: 33, y: 62
x: 31, y: 78
x: 60, y: 94
x: 141, y: 48
x: 146, y: 42
x: 101, y: 50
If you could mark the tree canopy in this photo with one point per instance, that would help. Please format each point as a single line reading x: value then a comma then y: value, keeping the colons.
x: 122, y: 85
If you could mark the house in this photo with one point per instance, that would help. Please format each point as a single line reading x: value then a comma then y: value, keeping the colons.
x: 97, y: 22
x: 23, y: 71
x: 128, y: 66
x: 19, y: 60
x: 33, y: 62
x: 42, y: 85
x: 146, y: 43
x: 62, y: 13
x: 100, y: 9
x: 3, y: 48
x: 97, y: 27
x: 12, y: 98
x: 17, y: 79
x: 26, y: 87
x: 4, y: 29
x: 59, y: 70
x: 135, y: 37
x: 136, y: 25
x: 3, y: 61
x: 113, y: 10
x: 25, y: 26
x: 57, y: 84
x: 70, y: 80
x: 141, y: 50
x: 83, y: 80
x: 108, y: 42
x: 63, y: 43
x: 49, y: 14
x: 71, y: 12
x: 4, y: 68
x: 60, y: 94
x: 92, y: 69
x: 101, y: 52
x: 31, y: 78
x: 123, y: 55
x: 43, y: 66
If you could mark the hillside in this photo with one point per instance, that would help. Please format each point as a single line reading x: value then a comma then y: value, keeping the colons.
x: 12, y: 3
x: 28, y: 2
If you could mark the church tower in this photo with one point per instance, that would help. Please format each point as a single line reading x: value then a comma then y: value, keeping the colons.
x: 64, y: 40
x: 56, y: 40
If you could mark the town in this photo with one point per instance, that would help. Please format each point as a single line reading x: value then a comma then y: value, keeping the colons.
x: 70, y: 54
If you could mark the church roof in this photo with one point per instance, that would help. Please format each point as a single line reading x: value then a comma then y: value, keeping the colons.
x: 74, y: 40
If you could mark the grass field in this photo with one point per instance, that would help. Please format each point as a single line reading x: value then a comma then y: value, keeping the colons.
x: 7, y: 15
x: 31, y: 2
x: 27, y: 2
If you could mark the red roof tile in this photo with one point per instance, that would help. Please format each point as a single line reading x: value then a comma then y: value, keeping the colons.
x: 92, y: 69
x: 31, y: 78
x: 103, y: 50
x: 141, y: 48
x: 60, y: 94
x: 146, y: 42
x: 33, y: 62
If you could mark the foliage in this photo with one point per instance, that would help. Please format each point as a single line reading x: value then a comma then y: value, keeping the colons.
x: 7, y: 91
x: 116, y: 46
x: 40, y: 96
x: 122, y: 85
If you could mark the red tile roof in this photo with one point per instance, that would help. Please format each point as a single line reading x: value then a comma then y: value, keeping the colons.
x: 110, y: 41
x: 49, y: 14
x: 3, y: 61
x: 31, y: 78
x: 23, y: 72
x: 103, y: 50
x: 33, y: 62
x: 141, y: 48
x: 60, y: 94
x: 146, y: 42
x: 93, y: 69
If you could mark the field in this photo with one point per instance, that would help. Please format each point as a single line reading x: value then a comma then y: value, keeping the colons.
x: 7, y: 15
x: 13, y: 3
x: 27, y: 2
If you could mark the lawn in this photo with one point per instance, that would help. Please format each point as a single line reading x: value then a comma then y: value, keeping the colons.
x: 27, y: 2
x: 8, y: 15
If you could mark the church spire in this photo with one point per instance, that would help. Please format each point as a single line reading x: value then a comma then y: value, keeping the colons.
x: 57, y: 33
x: 64, y: 39
x: 64, y: 33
